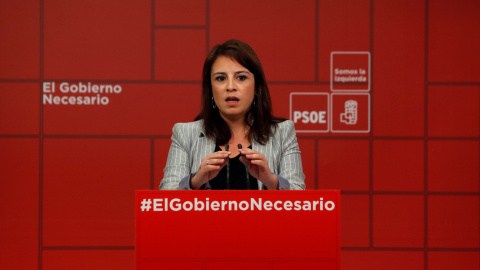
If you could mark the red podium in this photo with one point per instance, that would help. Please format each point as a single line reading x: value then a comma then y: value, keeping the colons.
x: 238, y: 230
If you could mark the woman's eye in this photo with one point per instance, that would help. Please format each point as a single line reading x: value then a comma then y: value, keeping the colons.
x: 242, y: 77
x: 220, y: 78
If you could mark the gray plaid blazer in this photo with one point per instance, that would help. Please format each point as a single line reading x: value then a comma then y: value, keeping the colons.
x: 190, y: 145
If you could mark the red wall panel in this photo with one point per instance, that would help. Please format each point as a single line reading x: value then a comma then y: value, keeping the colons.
x: 180, y: 12
x: 97, y: 39
x: 453, y: 41
x: 85, y: 209
x: 398, y: 221
x: 399, y: 68
x: 343, y: 164
x: 453, y: 221
x: 394, y: 260
x: 19, y: 108
x: 176, y: 58
x: 454, y: 111
x: 19, y: 45
x: 398, y: 165
x: 88, y: 259
x: 355, y: 221
x: 453, y: 260
x: 453, y: 166
x: 19, y: 234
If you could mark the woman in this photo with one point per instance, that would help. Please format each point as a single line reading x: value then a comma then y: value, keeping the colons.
x: 235, y: 123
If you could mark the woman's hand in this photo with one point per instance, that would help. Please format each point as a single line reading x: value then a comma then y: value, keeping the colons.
x: 258, y: 167
x: 209, y: 168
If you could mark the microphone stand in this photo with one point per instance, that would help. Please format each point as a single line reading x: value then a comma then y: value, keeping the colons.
x: 228, y: 168
x: 246, y: 167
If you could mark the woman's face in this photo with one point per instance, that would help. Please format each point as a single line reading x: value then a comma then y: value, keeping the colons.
x: 233, y: 88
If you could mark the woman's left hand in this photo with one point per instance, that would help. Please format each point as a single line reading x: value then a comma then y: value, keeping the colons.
x: 258, y: 167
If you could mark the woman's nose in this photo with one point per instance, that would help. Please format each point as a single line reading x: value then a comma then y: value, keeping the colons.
x: 231, y: 85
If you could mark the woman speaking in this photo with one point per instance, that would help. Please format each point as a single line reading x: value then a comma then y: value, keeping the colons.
x: 235, y: 142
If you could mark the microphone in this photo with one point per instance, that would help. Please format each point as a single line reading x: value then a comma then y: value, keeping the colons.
x: 228, y: 168
x: 246, y: 166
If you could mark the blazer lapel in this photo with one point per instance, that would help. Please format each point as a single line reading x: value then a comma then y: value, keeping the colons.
x: 202, y: 147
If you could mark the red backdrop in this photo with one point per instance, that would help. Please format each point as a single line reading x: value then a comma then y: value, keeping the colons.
x: 408, y: 171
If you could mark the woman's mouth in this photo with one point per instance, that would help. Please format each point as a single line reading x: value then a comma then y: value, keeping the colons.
x: 231, y: 101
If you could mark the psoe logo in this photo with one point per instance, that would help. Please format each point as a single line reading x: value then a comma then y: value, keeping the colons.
x: 350, y: 113
x: 309, y: 111
x: 350, y: 116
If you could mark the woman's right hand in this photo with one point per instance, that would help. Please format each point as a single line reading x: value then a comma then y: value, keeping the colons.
x: 209, y: 168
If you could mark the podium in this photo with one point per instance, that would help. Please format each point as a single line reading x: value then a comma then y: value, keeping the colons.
x: 231, y: 230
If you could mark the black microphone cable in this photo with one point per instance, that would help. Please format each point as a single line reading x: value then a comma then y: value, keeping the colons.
x: 228, y: 168
x: 246, y: 166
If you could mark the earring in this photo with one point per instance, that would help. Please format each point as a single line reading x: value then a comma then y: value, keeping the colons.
x: 254, y: 98
x: 213, y: 104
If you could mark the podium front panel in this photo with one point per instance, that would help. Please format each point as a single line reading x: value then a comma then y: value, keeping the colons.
x: 237, y: 229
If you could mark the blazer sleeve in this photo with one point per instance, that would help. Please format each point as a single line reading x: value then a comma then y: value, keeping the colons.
x: 290, y: 160
x: 178, y: 160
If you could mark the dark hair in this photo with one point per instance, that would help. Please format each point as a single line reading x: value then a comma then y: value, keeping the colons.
x: 259, y: 117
